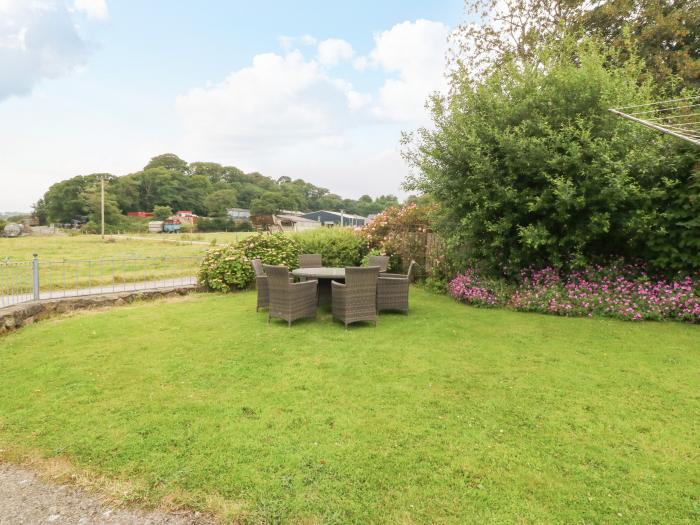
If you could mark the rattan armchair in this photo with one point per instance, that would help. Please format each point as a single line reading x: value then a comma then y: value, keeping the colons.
x: 392, y: 290
x: 261, y: 285
x: 289, y: 301
x: 379, y: 260
x: 310, y: 260
x: 356, y: 300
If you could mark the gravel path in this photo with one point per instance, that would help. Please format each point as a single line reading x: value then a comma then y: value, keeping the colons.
x: 26, y: 499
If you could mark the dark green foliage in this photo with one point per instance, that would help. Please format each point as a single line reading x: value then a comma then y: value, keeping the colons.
x: 218, y: 202
x: 161, y: 213
x: 339, y: 247
x: 531, y: 169
x: 206, y: 188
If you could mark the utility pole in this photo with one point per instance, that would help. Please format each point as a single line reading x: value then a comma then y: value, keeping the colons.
x: 102, y: 207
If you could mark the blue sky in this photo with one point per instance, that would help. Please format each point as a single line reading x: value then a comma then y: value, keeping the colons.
x: 310, y: 89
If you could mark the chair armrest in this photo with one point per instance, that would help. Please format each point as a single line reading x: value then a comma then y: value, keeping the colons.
x: 305, y: 284
x: 393, y: 275
x: 395, y: 278
x: 338, y: 290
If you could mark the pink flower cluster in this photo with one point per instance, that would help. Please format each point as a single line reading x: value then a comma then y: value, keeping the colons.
x: 618, y: 290
x: 621, y: 291
x: 469, y: 288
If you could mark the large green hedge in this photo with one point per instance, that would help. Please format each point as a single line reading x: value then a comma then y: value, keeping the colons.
x: 530, y: 168
x: 338, y: 247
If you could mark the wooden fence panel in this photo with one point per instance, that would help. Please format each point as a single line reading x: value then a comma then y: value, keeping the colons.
x: 426, y: 248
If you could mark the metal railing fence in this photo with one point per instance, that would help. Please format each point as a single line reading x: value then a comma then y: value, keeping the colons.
x: 23, y: 281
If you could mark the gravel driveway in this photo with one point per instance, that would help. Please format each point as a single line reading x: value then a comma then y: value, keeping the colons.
x: 26, y: 499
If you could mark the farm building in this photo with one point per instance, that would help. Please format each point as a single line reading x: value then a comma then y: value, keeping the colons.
x: 329, y: 218
x: 294, y: 223
x: 185, y: 217
x: 283, y: 223
x: 238, y: 214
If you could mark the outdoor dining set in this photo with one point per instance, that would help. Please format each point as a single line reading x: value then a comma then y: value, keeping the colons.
x: 354, y: 293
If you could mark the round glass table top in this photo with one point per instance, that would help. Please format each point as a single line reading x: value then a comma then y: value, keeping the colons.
x: 320, y: 273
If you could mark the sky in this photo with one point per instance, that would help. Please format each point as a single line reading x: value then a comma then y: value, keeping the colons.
x: 317, y: 90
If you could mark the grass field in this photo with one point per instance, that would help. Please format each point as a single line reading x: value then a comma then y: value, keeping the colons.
x: 83, y: 261
x: 448, y: 415
x: 55, y: 247
x: 216, y: 237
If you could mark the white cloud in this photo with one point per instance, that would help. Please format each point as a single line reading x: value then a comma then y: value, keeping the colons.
x: 285, y: 114
x: 95, y: 9
x: 360, y: 63
x: 333, y: 51
x: 308, y: 40
x: 37, y: 40
x: 274, y: 102
x: 415, y: 53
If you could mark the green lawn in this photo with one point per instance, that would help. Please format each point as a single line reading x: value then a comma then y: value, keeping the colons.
x: 449, y: 415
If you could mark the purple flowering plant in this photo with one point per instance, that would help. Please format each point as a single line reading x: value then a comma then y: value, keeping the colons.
x: 619, y: 290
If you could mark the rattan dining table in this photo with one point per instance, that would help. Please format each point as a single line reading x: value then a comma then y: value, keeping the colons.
x: 324, y: 276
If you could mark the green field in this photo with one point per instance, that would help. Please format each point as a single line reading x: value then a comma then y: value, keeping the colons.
x: 83, y: 261
x: 448, y: 415
x: 216, y: 237
x: 60, y: 247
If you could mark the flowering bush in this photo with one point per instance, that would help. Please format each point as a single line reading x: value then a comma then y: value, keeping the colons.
x: 471, y: 288
x: 619, y: 290
x: 388, y: 232
x: 229, y: 267
x: 276, y: 248
x: 224, y: 268
x: 625, y: 292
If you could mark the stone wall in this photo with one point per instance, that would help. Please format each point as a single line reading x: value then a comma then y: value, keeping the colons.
x: 23, y: 314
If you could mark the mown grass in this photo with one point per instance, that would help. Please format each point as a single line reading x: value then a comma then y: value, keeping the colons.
x: 448, y: 415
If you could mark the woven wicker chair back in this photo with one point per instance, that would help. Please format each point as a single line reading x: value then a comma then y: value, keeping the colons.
x: 278, y: 276
x: 379, y: 260
x: 310, y: 260
x: 361, y: 282
x: 258, y: 268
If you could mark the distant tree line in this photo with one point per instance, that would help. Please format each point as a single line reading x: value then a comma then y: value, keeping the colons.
x: 207, y: 188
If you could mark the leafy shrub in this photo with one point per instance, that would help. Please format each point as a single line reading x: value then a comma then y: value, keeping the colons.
x: 338, y: 247
x: 225, y: 268
x: 276, y: 248
x: 229, y: 267
x: 373, y: 252
x: 531, y: 169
